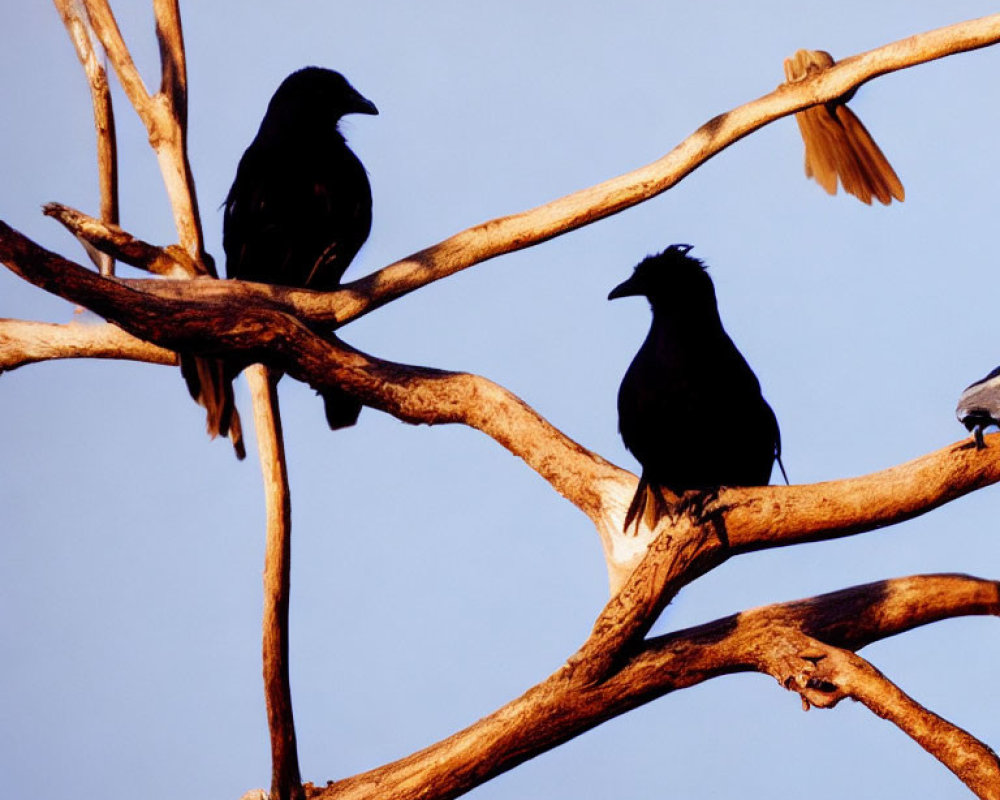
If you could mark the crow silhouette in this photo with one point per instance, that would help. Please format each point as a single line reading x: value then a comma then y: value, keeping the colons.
x: 690, y: 408
x: 300, y: 207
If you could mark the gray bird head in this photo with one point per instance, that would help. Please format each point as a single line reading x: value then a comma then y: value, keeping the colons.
x: 316, y: 95
x: 979, y: 405
x: 671, y: 275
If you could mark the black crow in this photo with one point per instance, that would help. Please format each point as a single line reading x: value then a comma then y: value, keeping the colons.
x: 979, y: 406
x: 838, y: 146
x: 301, y: 206
x: 689, y: 407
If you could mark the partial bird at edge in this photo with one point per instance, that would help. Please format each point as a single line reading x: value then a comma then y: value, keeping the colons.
x: 979, y: 406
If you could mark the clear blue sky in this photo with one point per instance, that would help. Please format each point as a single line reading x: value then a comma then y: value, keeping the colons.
x: 435, y: 577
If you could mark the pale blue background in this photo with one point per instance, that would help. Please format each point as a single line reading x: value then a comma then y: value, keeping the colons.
x: 435, y: 577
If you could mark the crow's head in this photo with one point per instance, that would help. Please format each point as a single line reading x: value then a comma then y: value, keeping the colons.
x: 672, y: 276
x: 316, y: 95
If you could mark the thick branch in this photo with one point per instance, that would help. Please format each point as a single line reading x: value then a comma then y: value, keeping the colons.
x: 739, y: 520
x: 255, y: 333
x: 560, y: 708
x: 755, y: 519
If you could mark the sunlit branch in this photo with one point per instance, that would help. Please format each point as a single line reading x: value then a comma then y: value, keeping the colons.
x: 104, y: 120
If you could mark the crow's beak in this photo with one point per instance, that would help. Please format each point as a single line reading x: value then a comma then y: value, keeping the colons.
x: 626, y: 288
x: 363, y: 105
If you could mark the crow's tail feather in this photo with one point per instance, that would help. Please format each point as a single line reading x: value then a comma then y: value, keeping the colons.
x: 781, y: 466
x: 211, y: 386
x: 637, y: 506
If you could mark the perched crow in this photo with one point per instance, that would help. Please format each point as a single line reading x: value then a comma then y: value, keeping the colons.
x: 689, y: 407
x: 979, y: 406
x: 838, y: 146
x: 301, y: 206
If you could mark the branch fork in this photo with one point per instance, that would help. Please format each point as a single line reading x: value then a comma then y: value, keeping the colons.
x: 808, y: 646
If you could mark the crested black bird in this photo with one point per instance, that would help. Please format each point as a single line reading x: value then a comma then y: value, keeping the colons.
x: 301, y: 206
x: 690, y: 408
x: 979, y: 406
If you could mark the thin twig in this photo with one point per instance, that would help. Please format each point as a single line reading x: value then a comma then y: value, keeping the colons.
x: 104, y: 119
x: 173, y: 155
x: 170, y: 261
x: 163, y: 115
x: 105, y: 27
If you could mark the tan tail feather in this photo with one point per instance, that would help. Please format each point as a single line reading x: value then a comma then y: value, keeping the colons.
x: 820, y: 147
x: 882, y: 177
x: 837, y: 144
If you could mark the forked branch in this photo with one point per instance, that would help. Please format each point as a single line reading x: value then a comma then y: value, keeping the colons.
x: 617, y: 668
x: 164, y: 114
x: 735, y: 521
x: 769, y: 639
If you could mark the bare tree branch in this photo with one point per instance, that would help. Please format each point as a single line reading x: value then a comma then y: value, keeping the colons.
x: 975, y: 764
x: 826, y: 675
x: 506, y: 234
x: 820, y: 511
x: 105, y: 27
x: 104, y: 119
x: 515, y: 232
x: 286, y: 783
x: 173, y: 62
x: 617, y: 668
x: 174, y: 162
x: 735, y: 521
x: 23, y: 342
x: 171, y: 261
x: 164, y: 114
x: 560, y: 707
